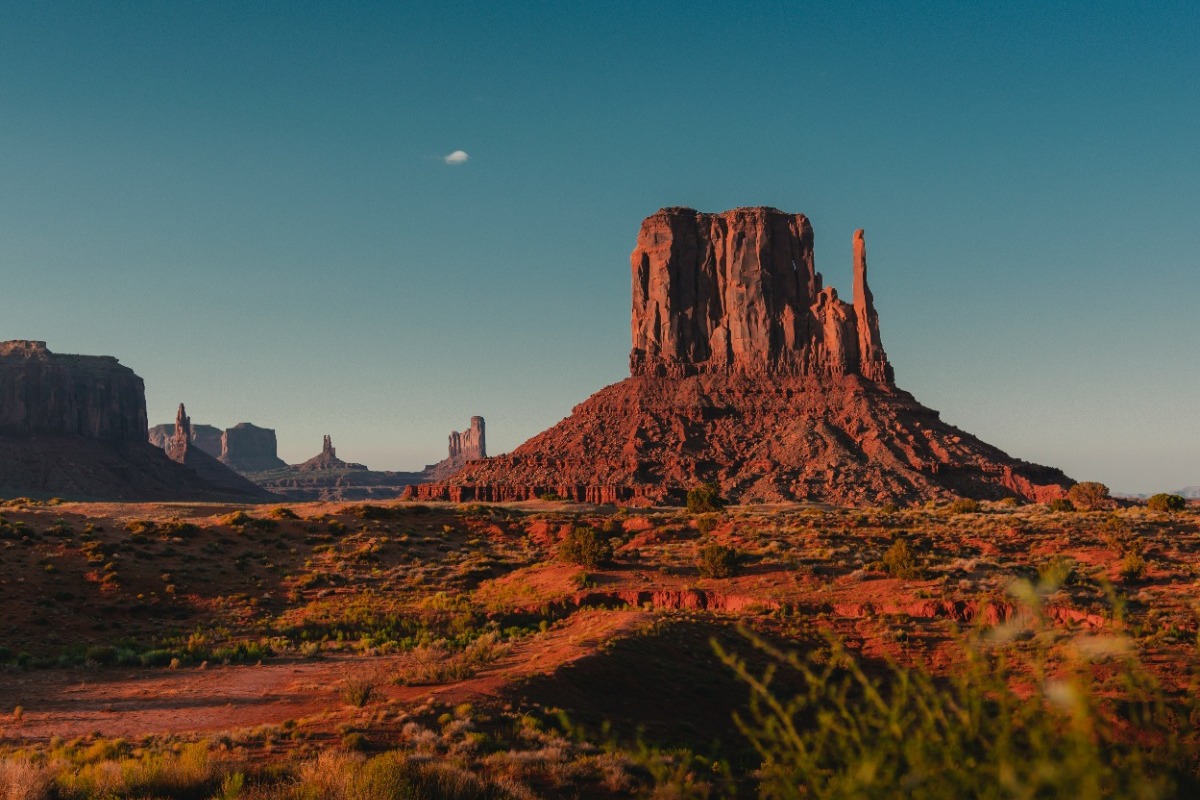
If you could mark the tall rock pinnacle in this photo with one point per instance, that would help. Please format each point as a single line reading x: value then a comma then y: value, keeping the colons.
x: 872, y: 361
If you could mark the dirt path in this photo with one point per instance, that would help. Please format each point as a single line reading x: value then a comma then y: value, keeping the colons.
x: 138, y: 702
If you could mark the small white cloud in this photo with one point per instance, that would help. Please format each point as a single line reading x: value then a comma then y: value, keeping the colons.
x: 457, y: 157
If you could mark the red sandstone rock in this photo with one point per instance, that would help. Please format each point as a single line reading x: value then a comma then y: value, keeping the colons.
x: 469, y: 445
x: 746, y: 371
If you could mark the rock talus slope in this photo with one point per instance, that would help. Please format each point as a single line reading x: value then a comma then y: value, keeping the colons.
x: 746, y: 370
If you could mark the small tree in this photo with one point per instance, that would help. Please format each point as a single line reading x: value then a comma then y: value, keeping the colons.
x: 705, y: 498
x: 586, y: 547
x: 1089, y: 495
x: 900, y: 562
x: 718, y: 561
x: 1166, y: 502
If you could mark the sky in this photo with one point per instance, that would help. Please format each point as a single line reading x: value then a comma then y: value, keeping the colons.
x: 374, y: 220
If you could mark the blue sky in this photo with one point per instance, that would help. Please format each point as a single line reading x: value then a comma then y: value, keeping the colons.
x: 248, y: 204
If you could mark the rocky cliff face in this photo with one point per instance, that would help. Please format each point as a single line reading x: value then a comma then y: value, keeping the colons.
x: 738, y: 293
x: 75, y: 427
x: 48, y: 393
x: 249, y: 448
x: 747, y: 371
x: 468, y: 445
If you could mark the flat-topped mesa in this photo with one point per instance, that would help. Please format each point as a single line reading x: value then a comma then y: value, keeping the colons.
x: 738, y: 292
x: 45, y: 393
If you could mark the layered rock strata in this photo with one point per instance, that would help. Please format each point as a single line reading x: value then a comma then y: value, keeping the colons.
x: 746, y: 370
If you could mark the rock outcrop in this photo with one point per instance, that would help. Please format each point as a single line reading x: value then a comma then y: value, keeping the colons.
x: 94, y: 397
x: 327, y: 477
x: 327, y: 460
x: 75, y: 427
x: 182, y: 450
x: 206, y: 437
x: 249, y: 448
x: 465, y: 446
x: 245, y: 447
x: 747, y: 371
x: 738, y: 293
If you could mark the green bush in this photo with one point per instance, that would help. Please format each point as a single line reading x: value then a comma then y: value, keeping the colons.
x: 1166, y: 502
x: 1060, y: 504
x: 718, y: 561
x: 705, y: 498
x: 900, y: 562
x: 1133, y: 566
x: 1089, y: 495
x: 586, y: 547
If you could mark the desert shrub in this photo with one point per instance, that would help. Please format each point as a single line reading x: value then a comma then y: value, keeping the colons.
x: 190, y: 772
x: 1166, y: 502
x: 1089, y: 495
x: 1058, y: 571
x: 177, y: 527
x: 1010, y: 502
x: 366, y: 511
x: 704, y: 499
x: 706, y: 523
x: 438, y: 663
x: 22, y: 779
x: 964, y: 505
x: 1060, y: 504
x: 1133, y: 566
x: 359, y: 690
x: 718, y: 561
x: 859, y: 730
x: 900, y: 562
x: 586, y: 547
x: 550, y: 496
x: 282, y: 512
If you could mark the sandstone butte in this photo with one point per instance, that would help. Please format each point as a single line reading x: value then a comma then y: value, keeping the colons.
x: 74, y: 426
x: 748, y: 372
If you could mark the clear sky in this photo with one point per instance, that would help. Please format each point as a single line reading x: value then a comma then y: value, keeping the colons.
x: 250, y: 204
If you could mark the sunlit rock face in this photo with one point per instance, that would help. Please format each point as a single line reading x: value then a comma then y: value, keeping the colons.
x: 746, y: 371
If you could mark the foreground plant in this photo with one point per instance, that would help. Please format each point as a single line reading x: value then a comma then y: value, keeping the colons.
x: 1012, y: 721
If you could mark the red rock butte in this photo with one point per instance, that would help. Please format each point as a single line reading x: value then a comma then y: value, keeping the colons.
x: 747, y: 371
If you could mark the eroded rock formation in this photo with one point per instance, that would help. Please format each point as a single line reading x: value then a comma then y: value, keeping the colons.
x: 738, y: 293
x: 747, y: 371
x: 465, y: 446
x: 245, y: 448
x: 182, y: 450
x: 206, y: 437
x: 75, y: 427
x: 48, y: 393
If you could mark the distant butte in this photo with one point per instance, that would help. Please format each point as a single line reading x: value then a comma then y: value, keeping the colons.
x: 74, y: 427
x: 747, y: 371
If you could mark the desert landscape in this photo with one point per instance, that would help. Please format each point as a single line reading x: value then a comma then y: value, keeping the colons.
x: 749, y: 560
